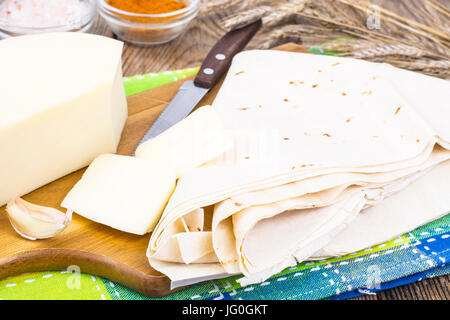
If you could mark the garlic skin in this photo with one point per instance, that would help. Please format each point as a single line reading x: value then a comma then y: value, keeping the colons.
x: 36, y: 222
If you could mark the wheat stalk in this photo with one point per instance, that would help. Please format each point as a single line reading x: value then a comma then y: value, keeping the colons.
x: 419, y: 40
x: 242, y: 19
x: 438, y: 7
x: 273, y: 13
x: 412, y: 25
x: 389, y: 50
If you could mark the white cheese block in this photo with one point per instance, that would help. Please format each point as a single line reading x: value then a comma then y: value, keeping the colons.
x: 125, y: 193
x: 190, y: 143
x: 62, y: 103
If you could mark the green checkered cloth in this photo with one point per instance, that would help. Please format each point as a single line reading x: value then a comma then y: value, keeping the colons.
x: 423, y: 252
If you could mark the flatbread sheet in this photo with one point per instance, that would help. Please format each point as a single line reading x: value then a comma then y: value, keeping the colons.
x: 316, y: 140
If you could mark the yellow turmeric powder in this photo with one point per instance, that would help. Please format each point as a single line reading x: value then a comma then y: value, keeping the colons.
x: 147, y: 6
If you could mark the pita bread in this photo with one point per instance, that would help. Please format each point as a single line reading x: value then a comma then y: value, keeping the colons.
x: 316, y: 139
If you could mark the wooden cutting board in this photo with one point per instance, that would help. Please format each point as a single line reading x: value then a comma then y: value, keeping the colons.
x: 93, y: 247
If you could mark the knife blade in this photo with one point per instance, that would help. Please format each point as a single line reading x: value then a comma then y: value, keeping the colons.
x: 180, y: 106
x: 213, y: 67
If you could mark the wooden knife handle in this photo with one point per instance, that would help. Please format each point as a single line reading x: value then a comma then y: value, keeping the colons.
x: 219, y: 58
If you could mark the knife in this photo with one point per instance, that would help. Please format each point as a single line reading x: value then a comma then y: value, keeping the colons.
x: 214, y: 66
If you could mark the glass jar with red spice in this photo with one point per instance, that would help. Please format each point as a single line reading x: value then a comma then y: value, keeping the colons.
x: 148, y: 22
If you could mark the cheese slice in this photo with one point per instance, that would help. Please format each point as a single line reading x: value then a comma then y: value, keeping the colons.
x: 125, y: 193
x: 62, y: 103
x: 190, y: 143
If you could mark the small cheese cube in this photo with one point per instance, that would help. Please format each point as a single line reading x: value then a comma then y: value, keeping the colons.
x: 190, y: 143
x: 122, y: 192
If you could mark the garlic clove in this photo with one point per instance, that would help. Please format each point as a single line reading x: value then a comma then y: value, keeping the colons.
x: 36, y: 222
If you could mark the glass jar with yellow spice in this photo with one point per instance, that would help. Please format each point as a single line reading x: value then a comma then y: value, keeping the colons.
x: 147, y: 22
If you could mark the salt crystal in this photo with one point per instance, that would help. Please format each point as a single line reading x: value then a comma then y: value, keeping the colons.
x: 42, y: 13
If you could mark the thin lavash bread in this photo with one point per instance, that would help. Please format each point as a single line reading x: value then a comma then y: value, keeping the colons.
x: 317, y: 140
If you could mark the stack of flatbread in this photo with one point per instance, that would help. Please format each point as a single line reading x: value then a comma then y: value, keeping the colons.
x: 330, y: 155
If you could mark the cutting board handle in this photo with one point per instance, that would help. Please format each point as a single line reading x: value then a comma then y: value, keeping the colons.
x: 219, y: 58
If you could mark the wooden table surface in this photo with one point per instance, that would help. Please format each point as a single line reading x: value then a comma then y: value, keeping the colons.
x: 188, y: 50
